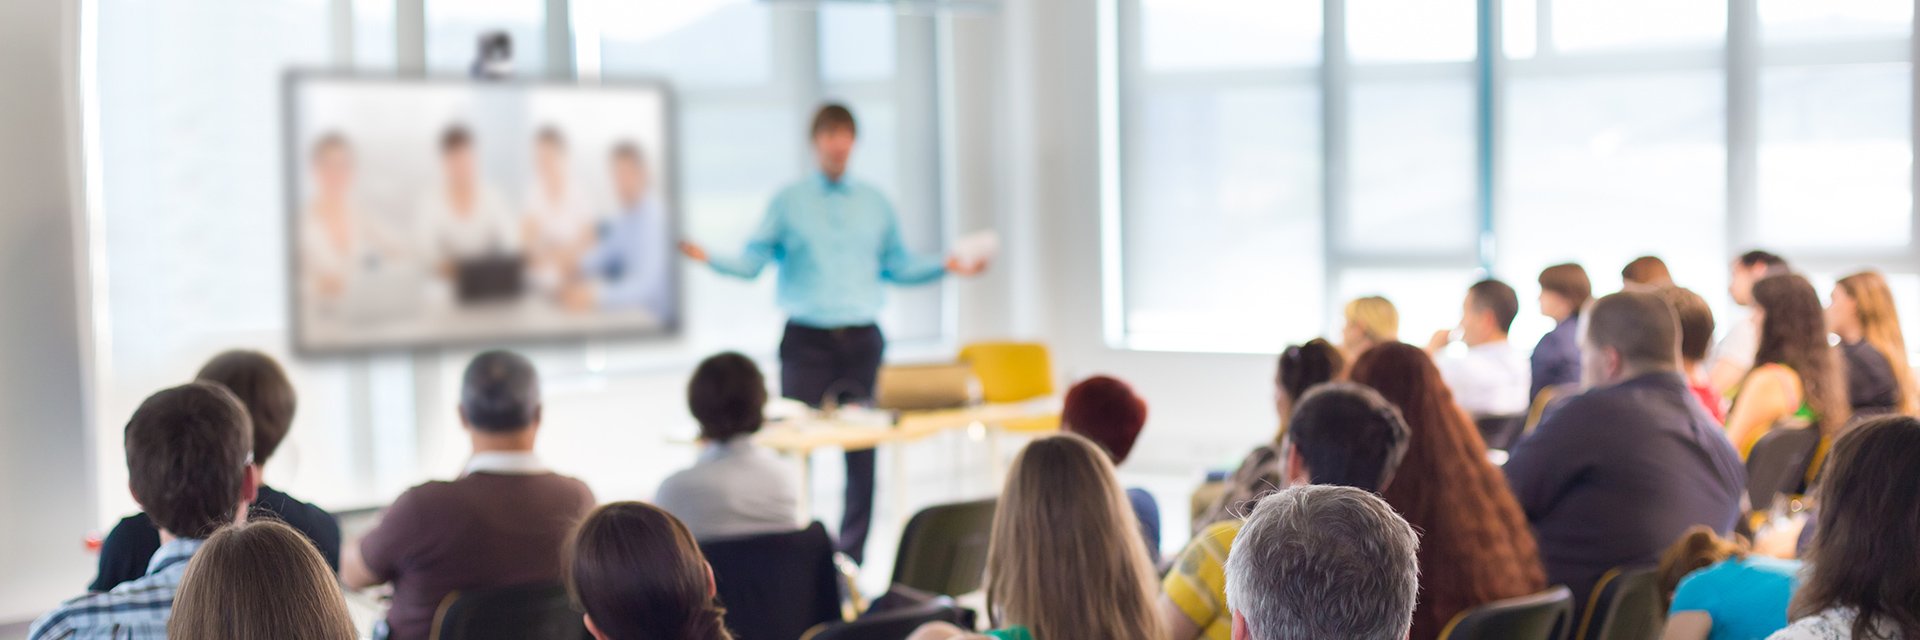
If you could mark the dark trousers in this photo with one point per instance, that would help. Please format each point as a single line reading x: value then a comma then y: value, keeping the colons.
x: 838, y: 366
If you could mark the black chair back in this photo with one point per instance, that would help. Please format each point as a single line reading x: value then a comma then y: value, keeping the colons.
x: 1500, y: 432
x: 775, y: 586
x: 1778, y: 464
x: 944, y: 548
x: 538, y: 611
x: 1625, y: 605
x: 899, y: 623
x: 1541, y: 616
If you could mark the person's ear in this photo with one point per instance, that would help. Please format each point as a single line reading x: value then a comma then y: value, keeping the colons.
x: 1297, y: 472
x: 593, y: 630
x: 538, y: 410
x: 462, y: 412
x: 250, y: 489
x: 713, y: 588
x: 1240, y: 631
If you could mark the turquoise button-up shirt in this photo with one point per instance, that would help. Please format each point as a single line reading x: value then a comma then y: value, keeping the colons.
x: 838, y: 244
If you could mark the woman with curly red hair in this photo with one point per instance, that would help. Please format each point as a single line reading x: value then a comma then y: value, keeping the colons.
x: 1475, y: 545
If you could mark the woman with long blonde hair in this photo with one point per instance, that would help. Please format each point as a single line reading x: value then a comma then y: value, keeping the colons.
x: 259, y: 580
x: 1861, y: 312
x: 1066, y: 560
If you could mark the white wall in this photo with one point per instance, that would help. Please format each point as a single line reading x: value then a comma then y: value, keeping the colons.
x: 45, y: 478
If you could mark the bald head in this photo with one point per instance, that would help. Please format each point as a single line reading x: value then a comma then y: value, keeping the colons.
x: 1628, y: 334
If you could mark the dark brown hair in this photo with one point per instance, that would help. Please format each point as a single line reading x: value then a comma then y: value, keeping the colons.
x: 637, y: 572
x: 263, y: 388
x: 1867, y: 539
x: 1697, y: 549
x: 187, y: 456
x: 1568, y: 281
x: 1647, y: 270
x: 1303, y: 366
x: 832, y: 116
x: 259, y: 580
x: 1696, y: 322
x: 327, y: 142
x: 1348, y: 435
x: 1475, y: 547
x: 727, y: 396
x: 550, y: 135
x: 1495, y: 297
x: 1794, y: 333
x: 1107, y: 411
x: 455, y: 138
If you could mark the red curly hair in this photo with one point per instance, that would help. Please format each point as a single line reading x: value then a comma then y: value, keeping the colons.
x: 1475, y: 544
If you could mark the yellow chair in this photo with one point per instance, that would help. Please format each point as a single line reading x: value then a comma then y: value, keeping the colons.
x: 1013, y: 372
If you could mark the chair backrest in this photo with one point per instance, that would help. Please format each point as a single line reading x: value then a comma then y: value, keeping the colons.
x: 779, y: 584
x: 1625, y: 605
x: 1777, y: 463
x: 1500, y: 432
x: 1010, y: 371
x: 510, y: 613
x: 1541, y: 616
x: 899, y: 623
x: 944, y: 548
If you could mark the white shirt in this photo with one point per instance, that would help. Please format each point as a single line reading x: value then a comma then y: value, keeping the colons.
x: 490, y: 228
x: 736, y: 488
x: 1491, y: 380
x: 1832, y: 624
x: 506, y: 463
x: 1738, y: 346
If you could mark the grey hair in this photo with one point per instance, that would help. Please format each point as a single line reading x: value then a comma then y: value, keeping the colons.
x: 1324, y: 561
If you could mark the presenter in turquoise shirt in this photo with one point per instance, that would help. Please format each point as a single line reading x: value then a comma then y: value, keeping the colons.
x: 838, y: 244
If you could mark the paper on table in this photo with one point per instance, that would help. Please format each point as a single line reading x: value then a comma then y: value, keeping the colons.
x: 977, y: 247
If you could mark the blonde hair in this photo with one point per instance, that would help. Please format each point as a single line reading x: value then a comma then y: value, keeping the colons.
x: 259, y: 581
x: 1376, y: 316
x: 1066, y: 559
x: 1880, y: 325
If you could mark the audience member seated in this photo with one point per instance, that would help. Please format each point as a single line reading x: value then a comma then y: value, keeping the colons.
x: 501, y: 524
x: 1065, y: 562
x: 1798, y: 376
x: 638, y: 574
x: 1862, y: 313
x: 1614, y: 475
x: 263, y: 388
x: 1716, y: 589
x: 189, y: 465
x: 1370, y: 320
x: 736, y: 488
x: 1492, y: 378
x: 1696, y: 336
x: 1108, y: 412
x: 1564, y: 289
x: 1302, y: 367
x: 1734, y: 356
x: 1477, y: 547
x: 1322, y: 562
x: 259, y: 580
x: 1341, y: 434
x: 1861, y: 582
x: 1646, y: 273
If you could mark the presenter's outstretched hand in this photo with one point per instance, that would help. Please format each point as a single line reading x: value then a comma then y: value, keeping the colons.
x: 693, y: 251
x: 969, y: 268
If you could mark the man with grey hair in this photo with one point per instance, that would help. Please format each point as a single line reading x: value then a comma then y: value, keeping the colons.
x: 501, y: 523
x: 1317, y: 561
x: 1614, y: 475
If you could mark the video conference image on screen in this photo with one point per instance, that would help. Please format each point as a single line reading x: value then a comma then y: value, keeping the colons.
x: 441, y: 212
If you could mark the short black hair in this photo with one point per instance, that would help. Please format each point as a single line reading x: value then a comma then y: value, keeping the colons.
x: 1776, y: 265
x: 1497, y: 298
x: 187, y: 454
x: 1348, y: 435
x: 833, y: 115
x: 727, y: 396
x: 630, y: 151
x: 500, y: 392
x: 455, y: 138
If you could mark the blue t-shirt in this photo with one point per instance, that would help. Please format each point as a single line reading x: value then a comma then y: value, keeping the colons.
x: 1747, y: 598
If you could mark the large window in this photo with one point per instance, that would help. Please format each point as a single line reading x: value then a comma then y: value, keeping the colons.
x: 1401, y: 151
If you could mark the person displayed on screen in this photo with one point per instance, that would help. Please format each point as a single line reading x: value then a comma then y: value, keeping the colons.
x: 463, y: 218
x: 558, y: 226
x: 338, y: 241
x: 632, y: 265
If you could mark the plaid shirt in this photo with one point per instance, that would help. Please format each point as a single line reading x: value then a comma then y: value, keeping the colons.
x: 135, y: 610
